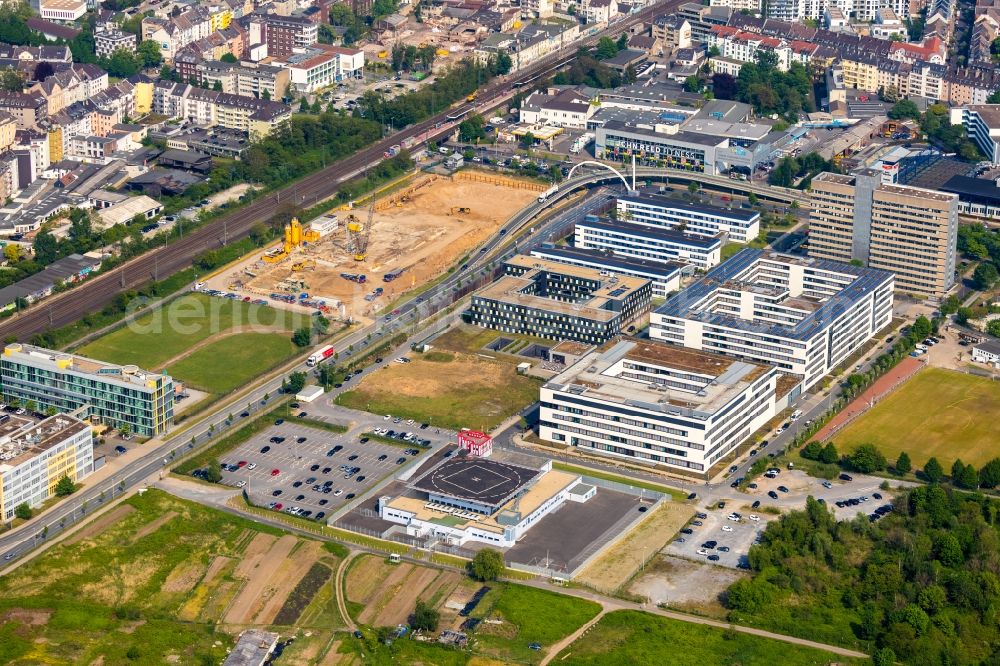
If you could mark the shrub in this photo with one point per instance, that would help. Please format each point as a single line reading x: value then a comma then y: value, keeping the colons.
x: 487, y: 565
x: 866, y: 459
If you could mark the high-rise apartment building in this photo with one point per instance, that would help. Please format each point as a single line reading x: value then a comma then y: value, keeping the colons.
x: 909, y: 231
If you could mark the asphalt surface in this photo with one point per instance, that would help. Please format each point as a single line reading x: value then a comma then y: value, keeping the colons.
x: 97, y: 292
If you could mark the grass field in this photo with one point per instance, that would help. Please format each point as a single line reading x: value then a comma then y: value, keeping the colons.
x: 939, y: 413
x: 450, y: 390
x: 678, y: 495
x: 631, y: 637
x: 213, y: 344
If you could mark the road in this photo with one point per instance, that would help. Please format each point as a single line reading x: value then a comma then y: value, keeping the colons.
x: 95, y: 293
x: 519, y: 234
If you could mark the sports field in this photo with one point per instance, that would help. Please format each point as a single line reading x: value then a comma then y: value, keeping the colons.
x: 213, y: 344
x: 940, y: 413
x: 446, y: 390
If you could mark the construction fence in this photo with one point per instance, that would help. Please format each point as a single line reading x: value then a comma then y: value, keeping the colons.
x: 494, y: 179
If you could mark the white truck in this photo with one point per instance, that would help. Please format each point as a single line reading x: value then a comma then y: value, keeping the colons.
x: 320, y: 354
x: 548, y: 193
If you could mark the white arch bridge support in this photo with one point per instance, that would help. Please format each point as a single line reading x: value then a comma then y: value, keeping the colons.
x: 630, y: 188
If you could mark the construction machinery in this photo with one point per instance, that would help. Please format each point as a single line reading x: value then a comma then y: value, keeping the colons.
x: 360, y: 279
x: 459, y: 209
x: 295, y: 236
x: 305, y: 264
x: 359, y: 233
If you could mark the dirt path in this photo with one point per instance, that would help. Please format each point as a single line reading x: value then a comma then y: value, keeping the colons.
x: 561, y: 645
x: 882, y: 387
x: 338, y: 591
x: 155, y: 525
x: 247, y: 603
x: 101, y: 524
x: 219, y: 336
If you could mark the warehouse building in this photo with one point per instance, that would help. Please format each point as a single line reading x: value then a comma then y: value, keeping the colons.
x: 34, y: 456
x: 804, y: 316
x: 551, y: 300
x: 659, y: 404
x: 119, y: 396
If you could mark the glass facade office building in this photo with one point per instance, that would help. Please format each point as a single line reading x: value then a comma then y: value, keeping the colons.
x: 113, y: 395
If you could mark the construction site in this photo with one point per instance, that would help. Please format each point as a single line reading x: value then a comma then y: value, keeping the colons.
x: 353, y: 261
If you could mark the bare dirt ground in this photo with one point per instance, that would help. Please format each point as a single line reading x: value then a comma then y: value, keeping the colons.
x: 424, y: 233
x: 184, y: 576
x: 255, y: 551
x: 682, y: 584
x: 206, y: 590
x: 292, y: 571
x: 35, y: 617
x: 617, y: 565
x: 153, y: 526
x: 387, y: 586
x: 398, y: 606
x: 101, y: 524
x: 249, y: 600
x: 365, y: 577
x: 229, y: 194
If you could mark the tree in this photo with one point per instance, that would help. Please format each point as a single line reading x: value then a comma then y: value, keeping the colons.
x: 11, y: 80
x: 693, y: 187
x: 472, y: 129
x: 903, y: 464
x: 922, y: 327
x: 904, y: 108
x: 149, y: 54
x: 724, y: 86
x: 884, y: 657
x: 23, y: 511
x: 993, y: 328
x: 46, y: 247
x: 213, y: 472
x: 985, y: 275
x: 122, y: 64
x: 606, y: 48
x: 424, y: 617
x: 829, y: 454
x: 229, y: 57
x: 968, y: 478
x: 304, y: 105
x: 528, y: 140
x: 747, y: 595
x: 933, y: 471
x: 867, y: 459
x: 217, y: 86
x: 811, y: 451
x: 692, y: 84
x: 487, y: 565
x: 302, y: 337
x: 989, y: 475
x: 957, y: 468
x: 43, y: 70
x: 296, y: 381
x: 963, y: 315
x: 65, y: 486
x: 12, y: 253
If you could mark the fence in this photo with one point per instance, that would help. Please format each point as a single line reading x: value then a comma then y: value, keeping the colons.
x: 493, y: 179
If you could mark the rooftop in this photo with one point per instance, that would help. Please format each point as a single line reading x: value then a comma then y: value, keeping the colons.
x: 690, y: 383
x: 23, y: 439
x: 610, y: 261
x: 655, y: 233
x: 676, y: 204
x: 59, y: 362
x: 480, y: 480
x: 741, y: 270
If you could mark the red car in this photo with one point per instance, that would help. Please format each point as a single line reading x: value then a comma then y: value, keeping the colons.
x: 278, y: 506
x: 275, y: 472
x: 396, y: 311
x: 242, y: 463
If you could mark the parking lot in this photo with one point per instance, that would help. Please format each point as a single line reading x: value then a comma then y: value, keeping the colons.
x: 306, y: 470
x: 717, y: 531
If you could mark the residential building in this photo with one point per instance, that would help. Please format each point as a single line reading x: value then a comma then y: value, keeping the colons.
x: 321, y: 66
x: 599, y: 11
x: 248, y: 79
x: 910, y: 231
x: 282, y: 34
x: 257, y: 117
x: 649, y: 243
x: 27, y: 109
x: 67, y: 11
x: 566, y: 107
x: 120, y: 396
x: 740, y: 225
x: 665, y: 277
x: 804, y: 316
x: 35, y: 456
x: 110, y: 41
x: 659, y: 404
x: 557, y: 301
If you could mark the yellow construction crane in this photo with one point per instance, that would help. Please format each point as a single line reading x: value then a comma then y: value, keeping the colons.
x: 358, y: 234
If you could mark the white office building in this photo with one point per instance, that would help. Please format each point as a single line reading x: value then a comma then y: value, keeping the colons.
x: 34, y: 456
x: 805, y: 316
x: 647, y: 242
x: 665, y: 277
x: 982, y: 123
x: 659, y: 404
x: 742, y: 226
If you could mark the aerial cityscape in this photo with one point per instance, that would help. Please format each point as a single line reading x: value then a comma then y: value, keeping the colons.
x: 481, y: 332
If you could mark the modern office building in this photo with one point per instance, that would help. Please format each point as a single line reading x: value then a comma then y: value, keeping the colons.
x: 740, y: 225
x: 910, y: 231
x: 35, y: 455
x: 641, y: 241
x: 551, y: 300
x: 804, y: 316
x: 467, y: 498
x: 664, y: 276
x: 982, y: 124
x: 660, y: 404
x: 115, y: 395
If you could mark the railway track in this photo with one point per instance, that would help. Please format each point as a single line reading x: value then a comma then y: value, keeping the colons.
x: 99, y: 291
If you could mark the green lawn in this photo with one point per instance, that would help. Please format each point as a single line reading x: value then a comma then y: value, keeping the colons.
x: 632, y: 637
x: 939, y: 413
x: 105, y: 595
x: 226, y: 364
x: 465, y: 392
x: 607, y: 476
x: 158, y: 336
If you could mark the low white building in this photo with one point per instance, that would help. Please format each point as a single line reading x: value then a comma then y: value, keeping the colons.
x: 66, y: 11
x: 321, y: 65
x: 987, y: 352
x: 35, y: 456
x: 562, y: 108
x: 660, y: 404
x: 647, y: 242
x: 741, y: 225
x: 465, y: 499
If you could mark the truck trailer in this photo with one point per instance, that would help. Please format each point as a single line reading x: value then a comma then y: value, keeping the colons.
x: 320, y: 355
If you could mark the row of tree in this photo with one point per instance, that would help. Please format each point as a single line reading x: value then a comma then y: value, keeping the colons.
x: 936, y: 124
x: 790, y: 169
x: 767, y: 88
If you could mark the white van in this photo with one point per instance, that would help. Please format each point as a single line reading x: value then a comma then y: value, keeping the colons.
x: 796, y: 414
